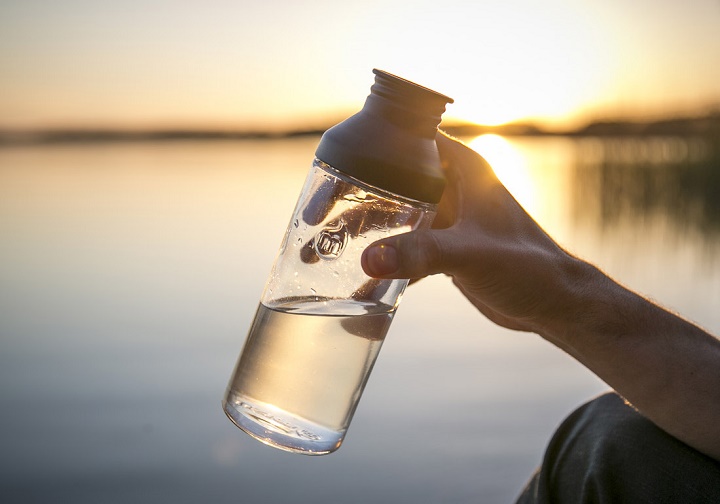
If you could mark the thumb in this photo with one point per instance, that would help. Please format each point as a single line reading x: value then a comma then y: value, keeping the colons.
x: 409, y: 255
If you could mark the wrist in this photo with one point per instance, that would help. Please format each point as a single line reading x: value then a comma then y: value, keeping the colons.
x: 589, y: 304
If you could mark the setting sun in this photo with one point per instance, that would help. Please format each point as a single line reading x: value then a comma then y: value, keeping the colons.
x: 530, y: 62
x: 252, y: 65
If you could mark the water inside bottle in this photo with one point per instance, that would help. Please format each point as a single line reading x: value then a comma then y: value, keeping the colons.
x: 302, y: 371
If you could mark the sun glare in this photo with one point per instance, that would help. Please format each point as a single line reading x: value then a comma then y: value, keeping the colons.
x: 504, y: 63
x: 510, y: 166
x: 558, y: 63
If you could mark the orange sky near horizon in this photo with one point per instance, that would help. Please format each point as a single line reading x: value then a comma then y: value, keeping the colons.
x: 284, y: 64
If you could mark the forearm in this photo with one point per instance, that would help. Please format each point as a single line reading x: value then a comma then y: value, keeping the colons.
x: 518, y: 277
x: 666, y: 367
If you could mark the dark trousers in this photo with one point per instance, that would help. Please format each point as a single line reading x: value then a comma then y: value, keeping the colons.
x: 607, y: 452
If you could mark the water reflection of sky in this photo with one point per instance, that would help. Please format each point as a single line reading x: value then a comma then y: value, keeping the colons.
x: 669, y: 178
x: 644, y: 208
x: 129, y: 275
x: 612, y: 179
x: 536, y: 173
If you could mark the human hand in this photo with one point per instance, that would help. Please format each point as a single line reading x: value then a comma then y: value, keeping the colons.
x: 516, y: 275
x: 496, y: 254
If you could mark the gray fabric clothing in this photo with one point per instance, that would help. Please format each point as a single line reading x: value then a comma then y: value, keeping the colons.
x: 607, y: 452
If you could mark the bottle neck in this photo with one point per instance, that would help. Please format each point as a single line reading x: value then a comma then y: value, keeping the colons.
x: 413, y: 121
x: 406, y: 104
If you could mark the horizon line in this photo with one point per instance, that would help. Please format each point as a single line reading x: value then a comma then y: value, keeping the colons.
x: 707, y: 123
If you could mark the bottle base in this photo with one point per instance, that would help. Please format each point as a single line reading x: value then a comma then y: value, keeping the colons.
x: 280, y: 429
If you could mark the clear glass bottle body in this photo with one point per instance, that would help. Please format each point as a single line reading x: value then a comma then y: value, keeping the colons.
x: 321, y: 320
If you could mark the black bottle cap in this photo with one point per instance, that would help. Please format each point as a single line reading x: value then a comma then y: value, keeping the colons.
x: 390, y: 143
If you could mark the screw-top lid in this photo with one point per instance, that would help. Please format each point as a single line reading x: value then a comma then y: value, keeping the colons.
x: 390, y: 143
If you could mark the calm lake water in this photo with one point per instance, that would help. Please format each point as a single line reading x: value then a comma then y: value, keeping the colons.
x: 129, y: 275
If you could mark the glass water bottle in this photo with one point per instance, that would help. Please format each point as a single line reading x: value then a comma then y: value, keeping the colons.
x: 321, y: 320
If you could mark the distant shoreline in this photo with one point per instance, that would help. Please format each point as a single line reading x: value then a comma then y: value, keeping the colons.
x: 708, y: 125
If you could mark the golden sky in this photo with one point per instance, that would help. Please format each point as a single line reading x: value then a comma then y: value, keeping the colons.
x: 223, y: 63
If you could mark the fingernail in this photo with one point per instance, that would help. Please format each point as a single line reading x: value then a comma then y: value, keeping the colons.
x: 382, y: 260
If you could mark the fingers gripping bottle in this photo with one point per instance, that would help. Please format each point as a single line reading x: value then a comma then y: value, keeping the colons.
x: 321, y: 320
